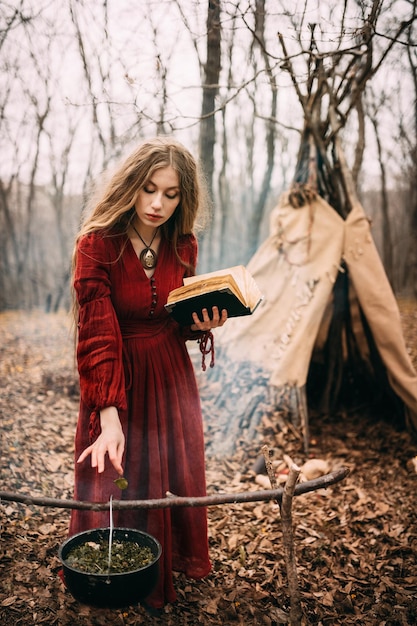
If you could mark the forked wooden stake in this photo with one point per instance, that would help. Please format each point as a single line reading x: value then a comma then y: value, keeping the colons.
x: 285, y: 507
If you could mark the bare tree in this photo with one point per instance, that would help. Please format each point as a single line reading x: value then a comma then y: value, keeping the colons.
x: 387, y: 250
x: 102, y: 123
x: 37, y: 231
x: 12, y: 17
x: 18, y: 202
x: 412, y: 197
x: 210, y: 90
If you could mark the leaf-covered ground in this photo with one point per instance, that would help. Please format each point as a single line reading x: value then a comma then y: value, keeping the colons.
x: 356, y: 542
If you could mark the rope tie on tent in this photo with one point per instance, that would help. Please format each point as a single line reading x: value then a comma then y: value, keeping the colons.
x: 301, y: 194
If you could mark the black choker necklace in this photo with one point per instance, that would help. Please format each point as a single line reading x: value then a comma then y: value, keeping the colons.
x: 148, y: 257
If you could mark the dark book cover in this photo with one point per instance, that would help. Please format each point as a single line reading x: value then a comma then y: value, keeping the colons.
x: 182, y: 310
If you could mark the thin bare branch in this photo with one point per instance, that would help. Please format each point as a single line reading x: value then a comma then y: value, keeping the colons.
x: 176, y: 501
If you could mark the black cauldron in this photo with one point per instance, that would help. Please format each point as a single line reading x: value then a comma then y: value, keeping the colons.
x: 114, y: 590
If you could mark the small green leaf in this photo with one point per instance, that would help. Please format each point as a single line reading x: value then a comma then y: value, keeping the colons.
x: 121, y: 482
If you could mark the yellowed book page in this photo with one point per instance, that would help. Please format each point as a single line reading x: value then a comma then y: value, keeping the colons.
x: 244, y: 281
x: 251, y: 290
x: 237, y: 272
x: 205, y: 285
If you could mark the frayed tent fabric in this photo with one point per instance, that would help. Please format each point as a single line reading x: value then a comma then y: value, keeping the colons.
x: 327, y: 335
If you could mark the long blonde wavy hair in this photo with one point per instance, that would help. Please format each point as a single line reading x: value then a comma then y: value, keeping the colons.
x: 111, y: 207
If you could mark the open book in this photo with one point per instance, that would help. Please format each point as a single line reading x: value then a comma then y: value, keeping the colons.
x: 233, y: 289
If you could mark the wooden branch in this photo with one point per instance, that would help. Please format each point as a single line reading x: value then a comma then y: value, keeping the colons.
x: 172, y: 501
x: 288, y: 66
x: 285, y: 505
x: 394, y: 39
x: 360, y: 145
x: 288, y: 542
x: 346, y: 175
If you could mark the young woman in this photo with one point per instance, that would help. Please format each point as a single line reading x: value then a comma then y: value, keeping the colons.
x: 140, y: 412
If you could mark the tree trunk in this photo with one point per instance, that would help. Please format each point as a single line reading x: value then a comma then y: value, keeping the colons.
x: 210, y: 90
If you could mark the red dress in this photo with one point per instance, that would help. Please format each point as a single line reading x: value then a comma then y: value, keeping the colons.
x: 132, y: 355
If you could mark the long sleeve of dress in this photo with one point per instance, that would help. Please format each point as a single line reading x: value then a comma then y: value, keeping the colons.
x: 99, y: 349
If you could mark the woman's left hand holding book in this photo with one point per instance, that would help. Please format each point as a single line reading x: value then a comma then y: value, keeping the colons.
x: 206, y: 324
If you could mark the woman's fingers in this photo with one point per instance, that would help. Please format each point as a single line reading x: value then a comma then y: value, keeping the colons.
x: 223, y: 317
x: 84, y: 454
x: 206, y: 323
x: 115, y: 455
x: 98, y: 453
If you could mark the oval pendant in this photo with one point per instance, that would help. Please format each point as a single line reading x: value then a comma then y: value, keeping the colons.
x: 148, y: 258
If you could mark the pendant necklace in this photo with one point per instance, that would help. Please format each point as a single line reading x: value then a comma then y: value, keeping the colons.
x: 147, y: 257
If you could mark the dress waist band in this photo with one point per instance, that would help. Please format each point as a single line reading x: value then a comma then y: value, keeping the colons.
x: 143, y: 328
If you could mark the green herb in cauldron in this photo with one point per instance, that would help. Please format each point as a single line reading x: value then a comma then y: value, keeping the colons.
x: 93, y: 557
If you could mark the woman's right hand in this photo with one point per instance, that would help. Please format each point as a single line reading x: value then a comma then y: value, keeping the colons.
x: 111, y: 441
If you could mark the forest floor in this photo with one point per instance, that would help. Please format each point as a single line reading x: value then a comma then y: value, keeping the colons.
x: 355, y: 542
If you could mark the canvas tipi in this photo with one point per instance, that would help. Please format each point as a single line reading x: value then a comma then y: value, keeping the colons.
x: 328, y: 327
